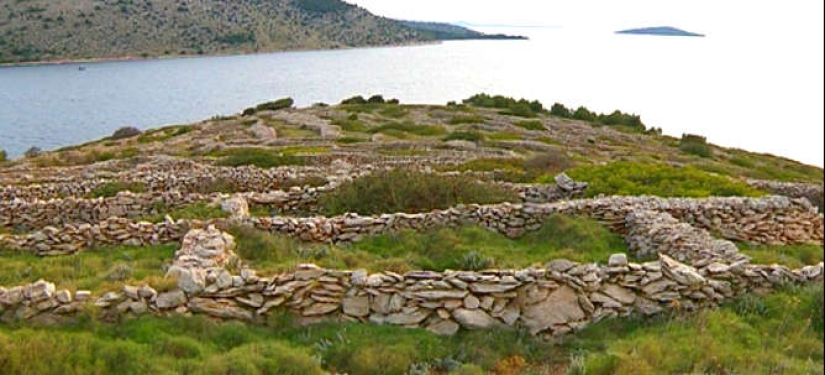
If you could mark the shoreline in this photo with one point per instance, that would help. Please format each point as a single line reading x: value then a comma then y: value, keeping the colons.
x: 97, y: 60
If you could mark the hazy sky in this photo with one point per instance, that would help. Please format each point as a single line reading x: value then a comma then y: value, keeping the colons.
x: 783, y: 38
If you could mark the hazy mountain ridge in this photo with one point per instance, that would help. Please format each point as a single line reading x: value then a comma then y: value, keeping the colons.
x: 446, y: 31
x: 38, y: 30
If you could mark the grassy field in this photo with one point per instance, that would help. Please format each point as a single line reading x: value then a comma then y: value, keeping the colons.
x: 781, y: 333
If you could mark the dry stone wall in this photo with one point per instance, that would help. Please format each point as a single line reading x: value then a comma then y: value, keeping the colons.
x: 27, y: 215
x: 815, y: 193
x: 559, y: 298
x: 767, y: 220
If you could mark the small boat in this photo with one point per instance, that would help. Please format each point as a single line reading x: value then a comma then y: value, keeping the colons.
x: 81, y: 68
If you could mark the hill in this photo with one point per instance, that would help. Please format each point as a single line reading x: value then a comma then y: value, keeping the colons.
x: 661, y: 31
x: 38, y: 30
x: 446, y: 31
x: 373, y: 237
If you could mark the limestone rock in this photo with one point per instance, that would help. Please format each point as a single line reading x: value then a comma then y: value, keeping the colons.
x: 443, y: 327
x: 559, y: 308
x: 169, y: 300
x: 356, y: 306
x: 474, y: 319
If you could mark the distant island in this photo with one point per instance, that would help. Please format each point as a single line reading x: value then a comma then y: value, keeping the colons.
x: 660, y: 30
x: 36, y: 31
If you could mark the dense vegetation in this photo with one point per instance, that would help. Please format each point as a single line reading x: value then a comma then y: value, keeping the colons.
x: 627, y: 178
x: 616, y: 118
x: 411, y: 192
x: 466, y: 248
x: 36, y: 30
x: 259, y: 157
x: 509, y: 106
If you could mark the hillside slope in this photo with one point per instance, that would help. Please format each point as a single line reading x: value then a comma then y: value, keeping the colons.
x: 43, y: 30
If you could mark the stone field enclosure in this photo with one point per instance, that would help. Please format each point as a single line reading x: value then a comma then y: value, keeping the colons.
x: 370, y: 237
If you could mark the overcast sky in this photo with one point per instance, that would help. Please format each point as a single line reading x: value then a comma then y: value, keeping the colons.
x: 784, y: 38
x: 700, y: 15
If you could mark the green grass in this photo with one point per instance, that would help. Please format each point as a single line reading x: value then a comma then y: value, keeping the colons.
x: 467, y: 119
x: 303, y: 150
x: 794, y: 256
x: 98, y: 270
x: 411, y: 192
x: 776, y: 334
x: 402, y: 129
x: 504, y: 136
x: 530, y: 125
x: 198, y: 211
x: 111, y: 189
x: 259, y: 157
x: 163, y: 134
x: 467, y: 248
x: 350, y: 125
x: 471, y: 136
x: 628, y: 178
x: 780, y: 333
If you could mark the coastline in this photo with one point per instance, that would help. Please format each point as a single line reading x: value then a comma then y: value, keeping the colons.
x: 96, y: 60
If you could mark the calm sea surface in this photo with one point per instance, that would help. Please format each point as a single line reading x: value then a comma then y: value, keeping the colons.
x: 735, y: 93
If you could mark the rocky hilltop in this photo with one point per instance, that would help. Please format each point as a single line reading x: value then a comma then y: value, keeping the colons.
x: 305, y: 238
x: 49, y: 30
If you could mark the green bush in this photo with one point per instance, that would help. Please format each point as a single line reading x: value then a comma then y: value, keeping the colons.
x: 511, y: 106
x: 559, y: 110
x: 111, y: 189
x: 584, y: 114
x: 530, y: 125
x: 354, y: 100
x: 695, y: 145
x: 628, y: 178
x: 401, y: 128
x: 3, y: 156
x: 125, y: 132
x: 270, y: 358
x: 471, y: 136
x: 259, y: 157
x: 777, y: 333
x: 270, y: 106
x: 469, y: 119
x: 405, y: 191
x: 376, y: 99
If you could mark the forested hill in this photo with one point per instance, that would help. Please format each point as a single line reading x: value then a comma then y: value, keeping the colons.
x: 48, y: 30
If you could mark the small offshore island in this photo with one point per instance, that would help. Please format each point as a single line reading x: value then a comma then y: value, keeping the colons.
x: 660, y: 31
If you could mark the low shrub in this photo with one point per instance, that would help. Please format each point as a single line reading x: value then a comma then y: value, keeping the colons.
x: 354, y: 100
x: 112, y: 188
x: 350, y: 125
x: 33, y: 152
x: 259, y: 157
x: 469, y: 119
x: 405, y: 191
x: 510, y: 106
x: 530, y: 125
x: 558, y: 109
x: 695, y: 145
x: 628, y: 178
x: 3, y: 156
x: 399, y: 128
x: 270, y: 106
x: 471, y: 136
x: 125, y: 132
x: 376, y: 99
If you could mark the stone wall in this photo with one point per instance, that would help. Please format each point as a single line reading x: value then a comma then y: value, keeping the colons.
x: 768, y: 220
x: 559, y: 298
x: 811, y: 192
x: 35, y: 214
